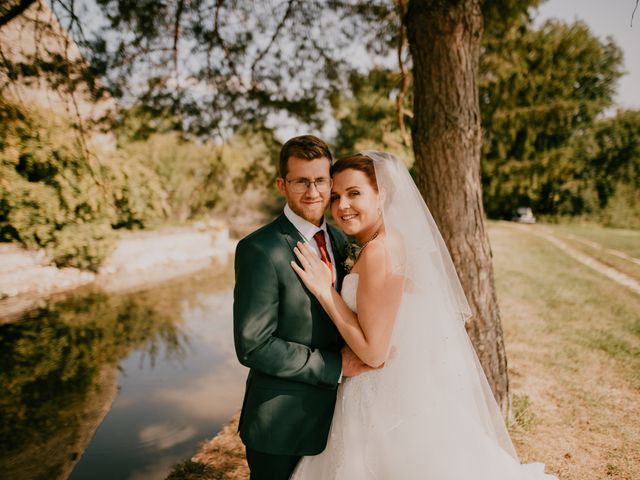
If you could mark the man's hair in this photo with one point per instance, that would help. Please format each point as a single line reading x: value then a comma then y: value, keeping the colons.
x: 306, y: 147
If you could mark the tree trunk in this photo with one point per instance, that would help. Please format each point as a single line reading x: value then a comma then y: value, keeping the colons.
x: 444, y: 38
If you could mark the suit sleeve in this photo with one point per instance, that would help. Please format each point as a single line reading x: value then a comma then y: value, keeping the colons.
x: 255, y: 319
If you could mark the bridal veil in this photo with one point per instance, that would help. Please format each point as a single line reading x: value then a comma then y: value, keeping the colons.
x: 432, y: 407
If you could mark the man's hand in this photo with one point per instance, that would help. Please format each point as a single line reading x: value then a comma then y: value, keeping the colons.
x: 352, y: 365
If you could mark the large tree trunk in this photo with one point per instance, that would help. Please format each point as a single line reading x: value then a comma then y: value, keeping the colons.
x: 444, y: 38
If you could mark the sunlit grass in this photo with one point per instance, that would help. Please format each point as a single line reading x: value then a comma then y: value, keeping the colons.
x: 573, y: 345
x: 625, y: 240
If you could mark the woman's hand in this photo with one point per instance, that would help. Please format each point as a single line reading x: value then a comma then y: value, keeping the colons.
x: 314, y: 273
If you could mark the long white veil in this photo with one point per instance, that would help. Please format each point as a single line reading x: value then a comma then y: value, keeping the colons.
x: 433, y: 378
x: 428, y: 265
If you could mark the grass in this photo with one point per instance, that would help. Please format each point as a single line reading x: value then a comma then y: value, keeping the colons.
x: 627, y: 241
x: 521, y: 412
x: 222, y: 458
x: 573, y: 346
x: 603, y: 253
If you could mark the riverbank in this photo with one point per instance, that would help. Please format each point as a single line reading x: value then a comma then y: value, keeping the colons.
x: 571, y: 335
x: 29, y: 278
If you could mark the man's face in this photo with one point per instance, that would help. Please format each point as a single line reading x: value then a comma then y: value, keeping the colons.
x: 309, y: 204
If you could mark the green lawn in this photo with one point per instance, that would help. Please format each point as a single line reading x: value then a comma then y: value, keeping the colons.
x: 627, y: 241
x: 573, y: 346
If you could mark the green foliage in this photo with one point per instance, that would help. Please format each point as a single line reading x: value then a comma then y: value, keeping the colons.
x: 623, y: 208
x: 83, y: 245
x: 367, y: 115
x: 540, y: 91
x: 189, y: 174
x: 136, y: 193
x: 521, y: 412
x: 197, y: 177
x: 57, y: 195
x: 251, y: 157
x: 616, y: 156
x: 500, y: 15
x: 48, y: 186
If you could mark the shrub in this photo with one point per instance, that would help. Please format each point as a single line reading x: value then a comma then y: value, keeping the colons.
x: 56, y: 195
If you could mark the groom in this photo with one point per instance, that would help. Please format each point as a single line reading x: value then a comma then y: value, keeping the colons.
x: 295, y: 353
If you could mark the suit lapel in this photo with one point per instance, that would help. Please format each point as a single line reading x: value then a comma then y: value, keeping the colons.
x: 338, y: 245
x: 289, y: 232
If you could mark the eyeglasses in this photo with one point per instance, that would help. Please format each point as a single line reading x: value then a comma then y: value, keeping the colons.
x: 301, y: 185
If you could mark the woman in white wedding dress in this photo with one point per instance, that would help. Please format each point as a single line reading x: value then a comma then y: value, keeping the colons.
x: 428, y: 413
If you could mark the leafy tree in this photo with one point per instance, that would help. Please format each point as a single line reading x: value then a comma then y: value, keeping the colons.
x: 48, y: 193
x: 614, y: 168
x: 366, y: 116
x: 53, y: 198
x: 618, y: 153
x: 539, y: 89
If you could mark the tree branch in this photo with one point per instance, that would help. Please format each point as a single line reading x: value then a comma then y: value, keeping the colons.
x: 261, y: 55
x: 176, y: 33
x: 15, y: 11
x: 634, y: 12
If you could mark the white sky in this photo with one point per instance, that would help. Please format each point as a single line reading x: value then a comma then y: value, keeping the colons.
x: 607, y: 18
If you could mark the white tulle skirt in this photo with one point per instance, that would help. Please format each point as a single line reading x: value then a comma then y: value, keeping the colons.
x: 431, y: 419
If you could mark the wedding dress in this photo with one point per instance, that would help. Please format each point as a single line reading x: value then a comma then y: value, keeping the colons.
x: 429, y: 413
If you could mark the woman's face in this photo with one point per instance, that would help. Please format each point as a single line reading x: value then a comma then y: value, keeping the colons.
x: 354, y: 204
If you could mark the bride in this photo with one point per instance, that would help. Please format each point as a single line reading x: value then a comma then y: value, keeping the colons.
x: 429, y: 412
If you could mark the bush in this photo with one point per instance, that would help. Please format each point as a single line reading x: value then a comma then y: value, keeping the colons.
x: 623, y: 208
x: 84, y: 245
x: 138, y: 198
x: 56, y: 195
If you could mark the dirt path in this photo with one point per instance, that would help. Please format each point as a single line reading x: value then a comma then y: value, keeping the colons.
x: 585, y: 259
x: 597, y: 246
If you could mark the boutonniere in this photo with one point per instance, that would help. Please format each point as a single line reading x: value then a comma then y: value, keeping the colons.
x: 353, y: 249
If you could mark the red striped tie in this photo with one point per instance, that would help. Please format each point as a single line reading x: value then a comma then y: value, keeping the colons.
x: 324, y: 254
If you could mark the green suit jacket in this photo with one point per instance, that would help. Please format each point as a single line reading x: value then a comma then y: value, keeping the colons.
x: 285, y: 337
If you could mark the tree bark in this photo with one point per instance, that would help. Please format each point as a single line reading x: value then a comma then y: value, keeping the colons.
x: 444, y: 38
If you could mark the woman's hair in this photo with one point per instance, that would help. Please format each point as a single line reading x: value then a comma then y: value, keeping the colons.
x: 358, y: 162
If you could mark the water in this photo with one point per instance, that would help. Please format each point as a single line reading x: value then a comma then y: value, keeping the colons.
x: 99, y: 386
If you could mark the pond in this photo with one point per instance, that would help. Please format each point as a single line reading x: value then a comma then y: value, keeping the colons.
x: 97, y: 386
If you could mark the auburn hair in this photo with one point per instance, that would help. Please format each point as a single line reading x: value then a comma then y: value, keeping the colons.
x: 358, y: 162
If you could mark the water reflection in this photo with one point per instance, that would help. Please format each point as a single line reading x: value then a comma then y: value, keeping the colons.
x: 142, y: 377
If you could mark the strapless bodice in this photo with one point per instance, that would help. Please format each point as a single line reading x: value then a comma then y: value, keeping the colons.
x: 349, y: 289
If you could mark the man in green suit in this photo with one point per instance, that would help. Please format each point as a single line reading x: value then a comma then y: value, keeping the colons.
x: 295, y: 354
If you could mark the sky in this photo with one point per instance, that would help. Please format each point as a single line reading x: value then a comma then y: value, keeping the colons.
x: 606, y: 18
